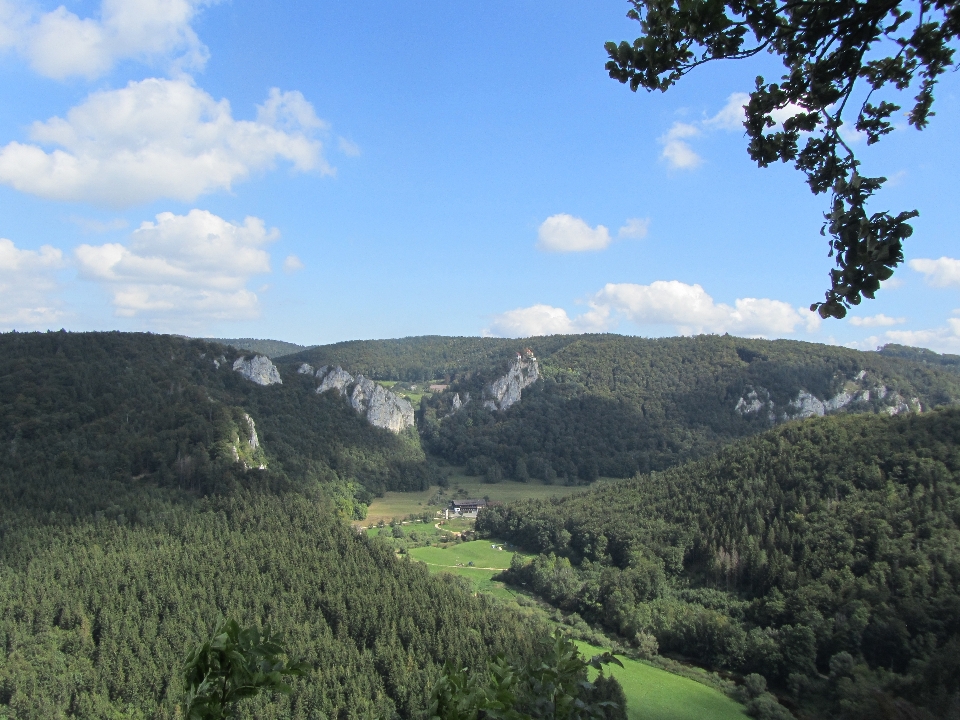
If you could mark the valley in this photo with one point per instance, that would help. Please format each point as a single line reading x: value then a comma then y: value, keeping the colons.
x: 776, y: 520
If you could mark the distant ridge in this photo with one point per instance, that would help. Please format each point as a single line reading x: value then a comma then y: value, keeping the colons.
x: 270, y: 348
x: 922, y: 355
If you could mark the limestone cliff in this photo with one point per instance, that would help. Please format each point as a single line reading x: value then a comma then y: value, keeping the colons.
x: 258, y: 369
x: 381, y: 407
x: 506, y: 391
x: 858, y: 394
x: 337, y: 379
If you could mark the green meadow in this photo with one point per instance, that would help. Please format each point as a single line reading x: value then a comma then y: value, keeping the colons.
x: 652, y: 693
x: 456, y: 559
x: 655, y: 694
x: 401, y: 504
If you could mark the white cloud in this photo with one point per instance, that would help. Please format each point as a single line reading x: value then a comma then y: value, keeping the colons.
x: 880, y: 320
x: 942, y: 339
x: 291, y: 264
x: 688, y: 309
x: 676, y: 151
x: 350, y: 149
x: 691, y: 310
x: 91, y: 225
x: 733, y: 114
x: 634, y: 228
x: 546, y: 320
x: 159, y: 138
x: 59, y: 44
x: 190, y: 267
x: 565, y: 233
x: 27, y: 284
x: 940, y: 273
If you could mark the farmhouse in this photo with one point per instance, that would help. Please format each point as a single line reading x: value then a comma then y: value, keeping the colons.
x: 466, y: 506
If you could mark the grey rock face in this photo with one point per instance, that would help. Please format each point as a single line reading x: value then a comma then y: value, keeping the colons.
x: 857, y: 393
x: 258, y: 369
x: 806, y: 405
x: 381, y: 407
x: 506, y: 391
x: 337, y: 378
x: 456, y: 403
x: 253, y: 441
x: 305, y: 369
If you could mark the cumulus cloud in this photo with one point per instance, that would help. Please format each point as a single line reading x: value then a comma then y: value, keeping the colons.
x: 940, y: 273
x: 546, y: 320
x: 348, y: 148
x: 565, y: 233
x: 678, y: 152
x: 942, y: 339
x: 192, y: 267
x: 733, y: 114
x: 159, y: 139
x: 291, y: 264
x: 27, y: 285
x: 691, y: 310
x: 60, y: 44
x: 880, y: 320
x: 634, y: 228
x: 687, y: 309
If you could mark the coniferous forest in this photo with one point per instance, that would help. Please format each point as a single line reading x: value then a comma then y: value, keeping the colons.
x: 147, y: 490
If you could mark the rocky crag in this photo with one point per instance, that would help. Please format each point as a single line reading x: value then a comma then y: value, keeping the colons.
x: 381, y: 408
x: 258, y: 369
x: 506, y: 391
x: 861, y: 393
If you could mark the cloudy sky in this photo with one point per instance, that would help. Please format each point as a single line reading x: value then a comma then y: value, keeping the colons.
x: 319, y: 171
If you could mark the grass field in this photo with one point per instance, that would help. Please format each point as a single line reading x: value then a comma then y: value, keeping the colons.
x: 487, y: 562
x: 652, y: 693
x: 401, y: 504
x: 655, y: 694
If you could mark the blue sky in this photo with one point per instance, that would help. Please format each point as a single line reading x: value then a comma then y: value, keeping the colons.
x: 317, y: 172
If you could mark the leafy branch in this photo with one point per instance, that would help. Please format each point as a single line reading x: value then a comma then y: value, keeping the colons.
x: 827, y: 47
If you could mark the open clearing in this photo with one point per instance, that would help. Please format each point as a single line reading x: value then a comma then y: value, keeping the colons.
x: 655, y: 693
x: 455, y: 559
x: 401, y: 504
x: 651, y: 692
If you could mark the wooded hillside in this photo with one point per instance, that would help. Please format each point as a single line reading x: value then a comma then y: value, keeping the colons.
x: 824, y: 555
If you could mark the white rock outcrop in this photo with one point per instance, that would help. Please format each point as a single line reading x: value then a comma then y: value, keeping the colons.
x: 806, y: 405
x: 258, y: 369
x: 338, y: 379
x: 253, y: 441
x: 381, y: 407
x: 506, y: 391
x: 857, y: 392
x: 305, y: 369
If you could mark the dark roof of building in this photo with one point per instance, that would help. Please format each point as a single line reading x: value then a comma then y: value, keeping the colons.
x: 460, y: 503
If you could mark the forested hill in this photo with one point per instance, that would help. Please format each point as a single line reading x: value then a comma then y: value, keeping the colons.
x: 89, y: 418
x: 610, y: 405
x: 824, y: 554
x: 134, y: 512
x: 270, y: 348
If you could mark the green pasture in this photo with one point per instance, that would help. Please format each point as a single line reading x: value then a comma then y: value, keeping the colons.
x: 402, y: 504
x: 655, y: 694
x: 455, y: 559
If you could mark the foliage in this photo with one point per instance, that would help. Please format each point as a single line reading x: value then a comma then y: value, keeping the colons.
x: 610, y: 405
x: 827, y: 538
x: 96, y: 615
x: 554, y: 686
x: 826, y: 48
x: 271, y: 348
x: 234, y: 664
